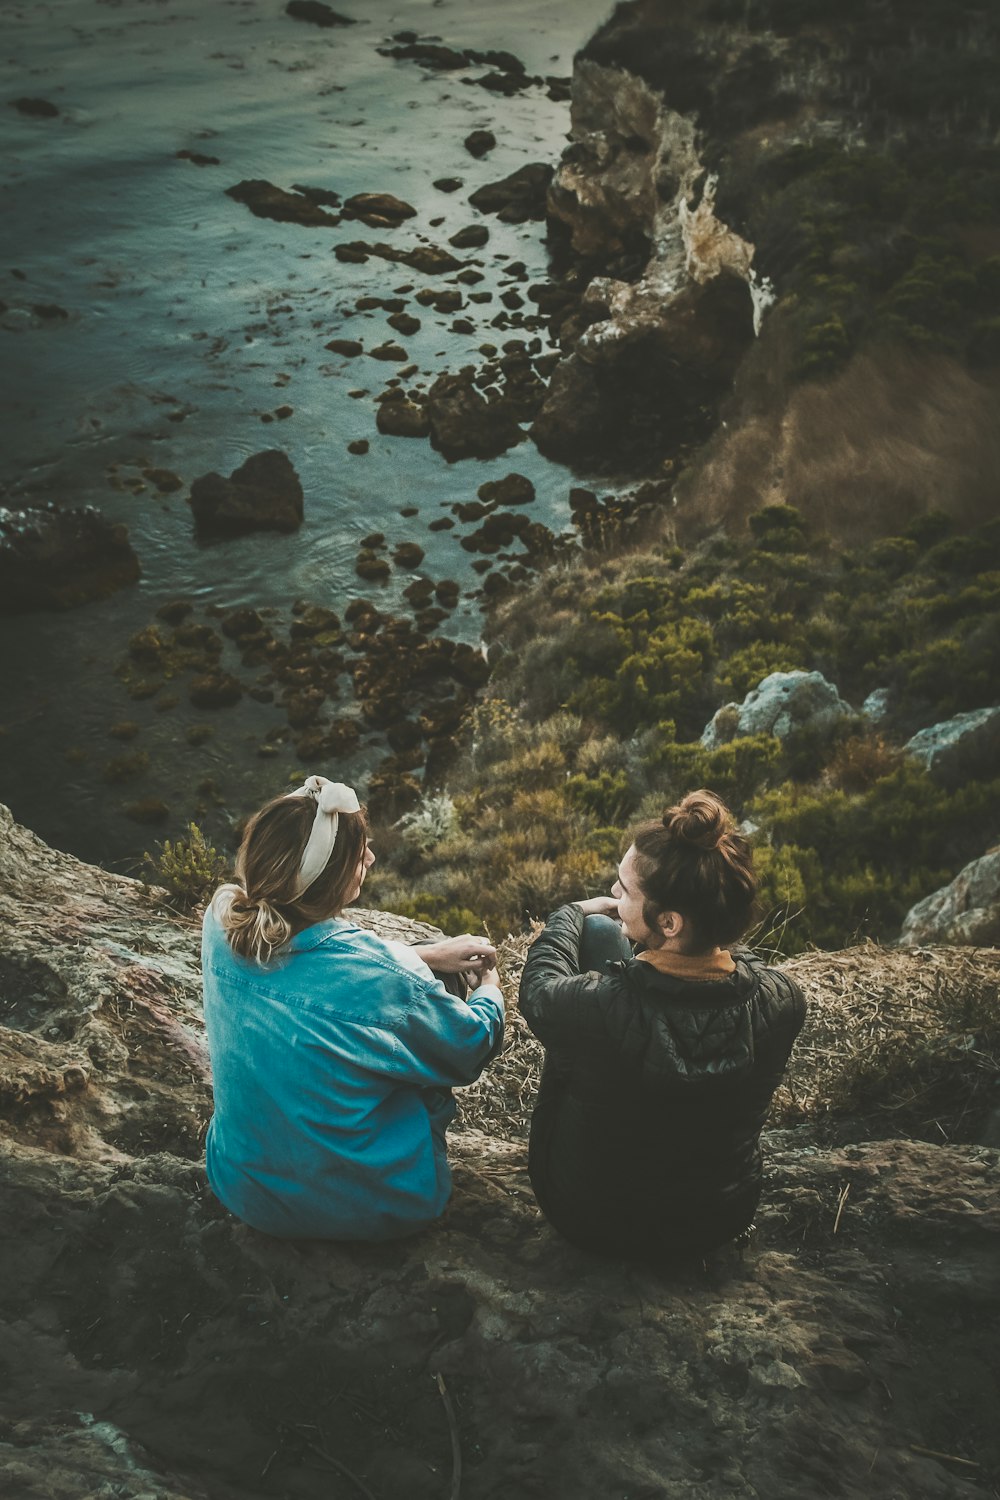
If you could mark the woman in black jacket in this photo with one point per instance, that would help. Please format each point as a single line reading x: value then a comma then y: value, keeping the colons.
x: 663, y: 1045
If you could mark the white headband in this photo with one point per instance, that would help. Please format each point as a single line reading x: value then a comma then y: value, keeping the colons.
x: 331, y: 798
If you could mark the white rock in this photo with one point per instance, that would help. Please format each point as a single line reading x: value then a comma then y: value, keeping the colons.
x: 876, y: 705
x: 968, y: 744
x: 966, y: 911
x: 783, y: 702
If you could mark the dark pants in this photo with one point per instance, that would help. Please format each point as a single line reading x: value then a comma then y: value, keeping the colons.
x: 603, y: 943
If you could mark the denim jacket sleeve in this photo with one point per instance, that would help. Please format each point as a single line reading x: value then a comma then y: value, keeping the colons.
x: 445, y: 1041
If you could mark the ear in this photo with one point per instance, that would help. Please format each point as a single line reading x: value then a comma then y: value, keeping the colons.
x: 670, y: 924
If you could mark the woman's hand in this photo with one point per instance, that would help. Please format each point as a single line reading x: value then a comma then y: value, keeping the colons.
x: 461, y: 955
x: 599, y: 906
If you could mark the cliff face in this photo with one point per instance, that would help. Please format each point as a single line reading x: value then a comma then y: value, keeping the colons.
x: 153, y: 1346
x: 787, y: 223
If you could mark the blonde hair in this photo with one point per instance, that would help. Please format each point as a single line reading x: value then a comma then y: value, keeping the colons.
x: 260, y: 911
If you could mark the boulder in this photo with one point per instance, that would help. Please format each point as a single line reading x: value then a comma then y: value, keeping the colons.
x: 470, y: 238
x: 404, y: 323
x: 647, y: 373
x: 966, y: 911
x: 513, y: 489
x: 479, y: 142
x: 782, y: 704
x: 58, y: 559
x: 378, y: 210
x: 264, y: 494
x: 465, y: 425
x: 967, y: 745
x: 402, y: 419
x: 517, y: 198
x: 347, y: 348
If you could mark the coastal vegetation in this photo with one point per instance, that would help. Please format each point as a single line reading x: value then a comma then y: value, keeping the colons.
x: 607, y: 673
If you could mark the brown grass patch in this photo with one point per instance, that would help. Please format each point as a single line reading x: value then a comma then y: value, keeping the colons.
x: 896, y: 433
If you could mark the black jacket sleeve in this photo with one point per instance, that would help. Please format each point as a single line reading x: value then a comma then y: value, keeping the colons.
x: 553, y: 995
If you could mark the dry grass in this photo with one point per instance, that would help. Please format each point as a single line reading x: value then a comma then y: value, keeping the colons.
x: 902, y: 1041
x: 907, y: 1039
x: 859, y: 455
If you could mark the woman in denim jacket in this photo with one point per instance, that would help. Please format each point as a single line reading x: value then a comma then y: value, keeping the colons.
x: 333, y: 1051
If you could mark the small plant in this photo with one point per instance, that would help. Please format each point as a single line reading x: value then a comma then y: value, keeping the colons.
x: 189, y: 868
x: 428, y: 824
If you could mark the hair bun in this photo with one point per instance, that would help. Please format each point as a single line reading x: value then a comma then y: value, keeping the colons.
x: 699, y: 819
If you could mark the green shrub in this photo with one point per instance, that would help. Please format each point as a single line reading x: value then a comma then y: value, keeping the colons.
x: 188, y: 868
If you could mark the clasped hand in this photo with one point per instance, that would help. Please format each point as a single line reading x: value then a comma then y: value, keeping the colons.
x: 475, y: 957
x: 599, y: 906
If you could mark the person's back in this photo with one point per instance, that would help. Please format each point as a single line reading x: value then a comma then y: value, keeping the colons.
x: 333, y: 1050
x: 659, y: 1068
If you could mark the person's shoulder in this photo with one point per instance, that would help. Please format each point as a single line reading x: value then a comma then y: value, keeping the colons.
x: 779, y: 993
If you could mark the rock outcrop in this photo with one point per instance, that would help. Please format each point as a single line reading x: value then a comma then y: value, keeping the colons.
x: 966, y: 746
x: 751, y: 143
x: 783, y: 704
x: 965, y: 911
x: 57, y: 559
x: 263, y: 494
x: 665, y: 330
x: 153, y: 1346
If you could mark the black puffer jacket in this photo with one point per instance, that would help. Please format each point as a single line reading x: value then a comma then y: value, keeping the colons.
x: 645, y: 1137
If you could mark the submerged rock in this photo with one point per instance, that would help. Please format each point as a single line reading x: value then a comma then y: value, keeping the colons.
x: 214, y: 690
x: 58, y: 559
x: 428, y: 53
x: 269, y: 202
x: 430, y: 259
x: 966, y: 911
x: 784, y: 703
x: 263, y: 494
x: 41, y: 109
x: 317, y: 13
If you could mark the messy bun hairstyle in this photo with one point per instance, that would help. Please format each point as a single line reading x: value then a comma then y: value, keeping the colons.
x: 693, y: 861
x: 260, y: 910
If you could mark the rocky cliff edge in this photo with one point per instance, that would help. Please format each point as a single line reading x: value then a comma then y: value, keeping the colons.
x: 154, y: 1347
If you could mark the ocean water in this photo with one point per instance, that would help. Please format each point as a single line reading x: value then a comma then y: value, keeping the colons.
x: 188, y: 320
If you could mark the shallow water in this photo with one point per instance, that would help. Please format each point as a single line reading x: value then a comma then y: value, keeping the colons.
x: 189, y: 319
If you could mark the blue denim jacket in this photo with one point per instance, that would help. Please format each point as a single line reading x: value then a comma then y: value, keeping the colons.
x: 332, y: 1067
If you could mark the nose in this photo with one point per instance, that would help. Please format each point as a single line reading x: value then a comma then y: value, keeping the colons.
x: 369, y: 857
x: 617, y: 891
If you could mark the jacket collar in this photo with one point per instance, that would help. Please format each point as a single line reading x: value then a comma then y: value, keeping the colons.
x: 319, y: 933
